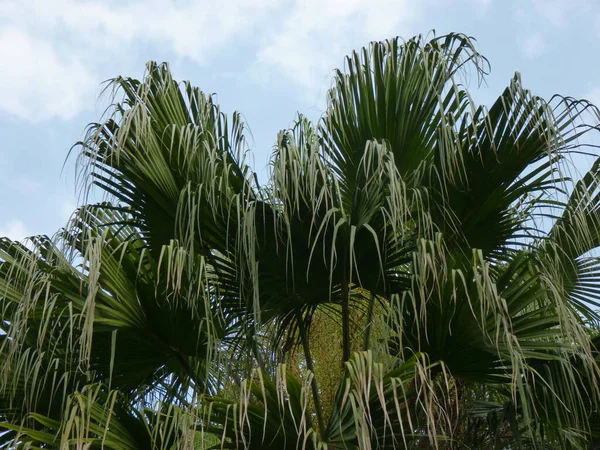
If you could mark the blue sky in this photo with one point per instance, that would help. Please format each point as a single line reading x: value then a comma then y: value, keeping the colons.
x: 264, y: 58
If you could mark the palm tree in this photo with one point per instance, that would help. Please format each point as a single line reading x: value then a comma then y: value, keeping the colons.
x: 417, y: 272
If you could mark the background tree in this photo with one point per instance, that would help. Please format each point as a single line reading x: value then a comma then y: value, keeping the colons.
x: 417, y: 272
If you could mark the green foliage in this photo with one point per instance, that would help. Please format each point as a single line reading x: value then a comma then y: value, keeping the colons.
x: 393, y: 285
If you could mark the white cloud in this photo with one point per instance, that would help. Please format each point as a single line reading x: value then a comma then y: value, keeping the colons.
x: 14, y: 230
x: 53, y: 50
x: 559, y: 12
x: 27, y: 185
x: 189, y: 28
x: 593, y: 96
x: 67, y: 207
x: 35, y: 83
x: 519, y: 15
x: 481, y: 5
x: 554, y: 11
x: 534, y: 46
x: 317, y: 34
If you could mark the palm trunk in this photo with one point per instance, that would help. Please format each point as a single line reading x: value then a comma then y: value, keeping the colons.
x: 310, y: 367
x: 345, y: 318
x: 369, y: 322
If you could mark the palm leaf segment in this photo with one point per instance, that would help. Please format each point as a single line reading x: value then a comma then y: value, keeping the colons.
x: 408, y: 215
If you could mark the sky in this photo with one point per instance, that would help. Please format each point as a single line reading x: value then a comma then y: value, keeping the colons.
x: 267, y: 59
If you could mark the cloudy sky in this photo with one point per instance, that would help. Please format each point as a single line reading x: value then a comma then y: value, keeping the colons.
x: 265, y: 58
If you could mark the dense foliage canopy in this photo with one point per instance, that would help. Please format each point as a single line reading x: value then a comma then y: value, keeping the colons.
x: 417, y: 271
